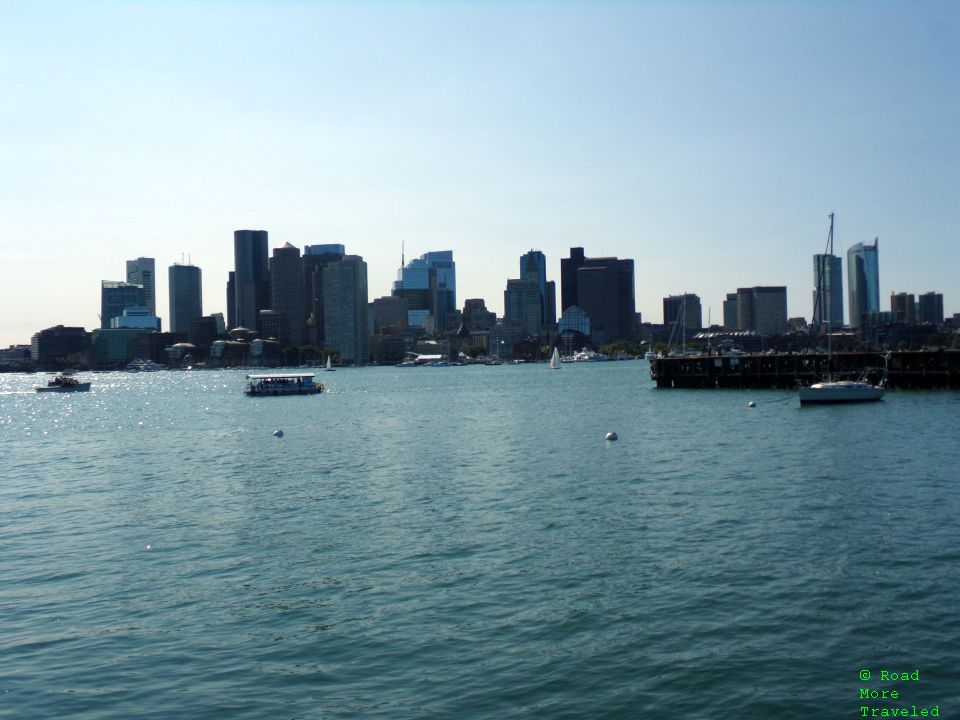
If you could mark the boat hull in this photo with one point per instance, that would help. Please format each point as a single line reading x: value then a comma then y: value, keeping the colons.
x: 840, y: 392
x: 79, y: 387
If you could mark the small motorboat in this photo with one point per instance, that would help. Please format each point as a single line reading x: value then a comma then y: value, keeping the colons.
x: 64, y: 383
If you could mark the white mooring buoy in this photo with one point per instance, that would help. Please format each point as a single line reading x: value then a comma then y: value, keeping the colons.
x: 751, y: 404
x: 612, y: 436
x: 278, y: 433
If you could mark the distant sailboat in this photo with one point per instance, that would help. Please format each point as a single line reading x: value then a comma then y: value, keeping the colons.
x: 555, y: 359
x: 330, y: 367
x: 831, y: 390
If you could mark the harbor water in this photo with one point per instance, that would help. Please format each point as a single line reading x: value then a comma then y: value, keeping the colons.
x: 464, y: 543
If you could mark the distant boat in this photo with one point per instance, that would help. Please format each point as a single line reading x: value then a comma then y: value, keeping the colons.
x: 64, y: 383
x: 330, y: 367
x: 555, y: 360
x: 282, y: 384
x: 833, y: 391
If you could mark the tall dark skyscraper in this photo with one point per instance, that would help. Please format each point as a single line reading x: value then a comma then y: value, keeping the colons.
x: 286, y: 293
x: 231, y: 300
x: 186, y: 296
x: 618, y: 321
x: 252, y: 276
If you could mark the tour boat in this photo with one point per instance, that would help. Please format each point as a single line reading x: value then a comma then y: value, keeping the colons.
x: 283, y: 384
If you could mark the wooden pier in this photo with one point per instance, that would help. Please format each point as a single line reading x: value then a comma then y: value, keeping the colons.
x: 924, y: 369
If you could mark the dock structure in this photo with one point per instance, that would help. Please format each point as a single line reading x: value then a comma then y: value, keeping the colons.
x: 923, y: 369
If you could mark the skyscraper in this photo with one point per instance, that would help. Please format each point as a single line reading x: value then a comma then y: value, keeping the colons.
x: 345, y: 308
x: 429, y: 284
x: 685, y: 313
x: 186, y: 296
x: 251, y: 276
x: 863, y: 280
x: 624, y: 299
x: 315, y: 259
x: 828, y: 290
x: 930, y: 308
x: 141, y: 272
x: 287, y: 293
x: 115, y: 297
x: 762, y: 309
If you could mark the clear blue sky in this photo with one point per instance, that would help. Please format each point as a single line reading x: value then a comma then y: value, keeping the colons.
x: 706, y: 140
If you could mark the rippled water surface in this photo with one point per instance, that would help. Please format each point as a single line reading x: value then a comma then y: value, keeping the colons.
x: 463, y: 543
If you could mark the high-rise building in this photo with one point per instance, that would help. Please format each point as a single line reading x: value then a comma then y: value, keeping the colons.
x: 287, y: 293
x: 568, y: 277
x: 762, y: 309
x: 685, y: 313
x: 186, y: 296
x: 828, y: 291
x: 141, y: 272
x: 429, y: 285
x: 621, y: 275
x: 315, y: 259
x: 117, y: 296
x: 904, y: 306
x: 597, y: 297
x: 730, y: 312
x: 231, y: 300
x: 930, y: 308
x: 345, y: 308
x: 476, y: 316
x: 863, y: 280
x: 252, y: 276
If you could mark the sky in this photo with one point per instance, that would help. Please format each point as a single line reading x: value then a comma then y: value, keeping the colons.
x: 706, y: 140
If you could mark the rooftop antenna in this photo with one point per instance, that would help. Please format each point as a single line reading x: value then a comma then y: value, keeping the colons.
x: 402, y: 255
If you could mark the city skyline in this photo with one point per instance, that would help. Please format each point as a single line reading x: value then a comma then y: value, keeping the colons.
x: 708, y: 143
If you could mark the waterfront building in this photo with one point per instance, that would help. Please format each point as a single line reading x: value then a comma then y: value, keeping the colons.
x: 141, y: 272
x: 930, y: 308
x: 345, y: 308
x: 684, y: 312
x: 476, y: 316
x: 287, y: 293
x: 618, y: 322
x: 863, y: 280
x: 429, y: 285
x: 574, y: 320
x: 139, y: 318
x: 115, y: 347
x: 903, y: 305
x: 730, y: 312
x: 597, y: 297
x: 252, y: 276
x: 386, y: 313
x: 231, y: 300
x: 315, y: 259
x: 827, y: 291
x: 762, y: 309
x: 60, y: 347
x: 116, y: 296
x: 185, y: 287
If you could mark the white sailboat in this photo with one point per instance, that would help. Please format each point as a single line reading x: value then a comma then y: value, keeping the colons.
x: 330, y: 367
x: 837, y: 391
x: 555, y: 359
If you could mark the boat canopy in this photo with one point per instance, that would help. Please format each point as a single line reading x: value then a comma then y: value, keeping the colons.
x: 280, y: 375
